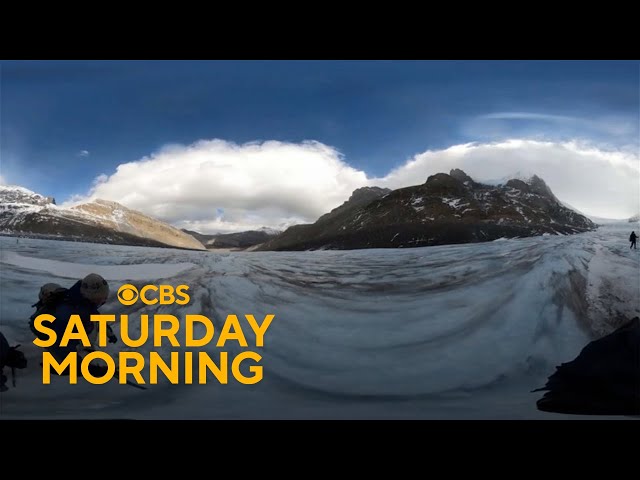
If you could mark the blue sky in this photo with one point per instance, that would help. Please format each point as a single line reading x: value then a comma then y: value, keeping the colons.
x: 64, y: 123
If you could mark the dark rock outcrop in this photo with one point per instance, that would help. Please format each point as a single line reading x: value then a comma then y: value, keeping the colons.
x: 604, y: 379
x: 461, y: 176
x: 360, y: 197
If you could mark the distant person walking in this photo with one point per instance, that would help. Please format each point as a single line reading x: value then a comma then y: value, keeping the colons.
x: 632, y: 239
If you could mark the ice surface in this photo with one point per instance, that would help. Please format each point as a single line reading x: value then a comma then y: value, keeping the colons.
x: 458, y: 331
x: 109, y: 272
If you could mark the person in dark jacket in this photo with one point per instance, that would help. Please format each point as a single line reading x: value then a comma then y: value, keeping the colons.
x: 632, y: 239
x: 4, y: 357
x: 83, y: 299
x: 9, y: 357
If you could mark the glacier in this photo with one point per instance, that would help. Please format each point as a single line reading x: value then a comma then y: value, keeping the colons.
x: 444, y: 332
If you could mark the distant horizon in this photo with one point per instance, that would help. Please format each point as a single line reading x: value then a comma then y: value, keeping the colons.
x: 229, y: 146
x: 519, y: 175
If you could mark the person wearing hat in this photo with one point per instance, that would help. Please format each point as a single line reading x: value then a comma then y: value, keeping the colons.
x: 83, y: 298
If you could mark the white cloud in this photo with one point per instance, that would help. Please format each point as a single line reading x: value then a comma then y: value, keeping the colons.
x: 83, y: 153
x: 217, y: 186
x: 609, y: 126
x: 2, y: 181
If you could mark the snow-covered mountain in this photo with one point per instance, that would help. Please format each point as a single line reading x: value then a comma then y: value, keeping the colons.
x: 20, y: 196
x: 446, y: 209
x: 24, y: 212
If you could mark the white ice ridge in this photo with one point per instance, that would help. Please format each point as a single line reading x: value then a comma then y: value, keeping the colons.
x: 141, y: 271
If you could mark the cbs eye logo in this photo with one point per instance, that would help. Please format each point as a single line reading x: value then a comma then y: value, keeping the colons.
x: 166, y: 294
x: 128, y: 294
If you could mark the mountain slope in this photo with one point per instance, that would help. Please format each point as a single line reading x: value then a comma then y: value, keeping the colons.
x: 298, y: 236
x: 201, y: 237
x: 236, y: 240
x: 446, y: 209
x: 27, y: 213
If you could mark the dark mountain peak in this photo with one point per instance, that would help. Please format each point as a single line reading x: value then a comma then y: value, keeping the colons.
x: 438, y: 177
x: 444, y: 184
x: 368, y: 192
x: 359, y: 198
x: 518, y: 184
x: 534, y: 184
x: 539, y: 186
x: 535, y: 180
x: 461, y: 176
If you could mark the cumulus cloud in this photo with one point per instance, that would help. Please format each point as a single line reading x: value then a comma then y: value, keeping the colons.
x: 83, y: 153
x: 215, y: 185
x: 218, y: 186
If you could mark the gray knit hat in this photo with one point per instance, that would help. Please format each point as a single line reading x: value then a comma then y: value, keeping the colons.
x: 94, y: 288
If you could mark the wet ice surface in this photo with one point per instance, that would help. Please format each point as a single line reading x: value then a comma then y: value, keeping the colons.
x: 462, y: 331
